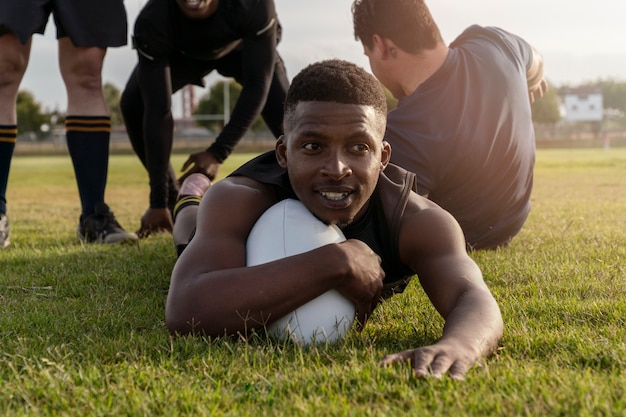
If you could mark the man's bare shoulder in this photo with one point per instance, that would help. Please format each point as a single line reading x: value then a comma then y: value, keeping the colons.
x: 239, y: 187
x: 421, y: 209
x: 234, y: 202
x: 428, y: 228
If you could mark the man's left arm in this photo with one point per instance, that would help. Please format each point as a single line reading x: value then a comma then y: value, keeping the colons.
x: 454, y: 284
x: 537, y: 84
x: 258, y: 60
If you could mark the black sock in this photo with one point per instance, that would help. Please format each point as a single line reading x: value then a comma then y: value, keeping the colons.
x: 8, y: 137
x: 88, y: 143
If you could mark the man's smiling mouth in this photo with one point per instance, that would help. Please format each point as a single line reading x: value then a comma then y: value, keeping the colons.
x: 335, y: 196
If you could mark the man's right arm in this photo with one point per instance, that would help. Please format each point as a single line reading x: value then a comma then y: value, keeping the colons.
x: 537, y: 84
x: 212, y: 291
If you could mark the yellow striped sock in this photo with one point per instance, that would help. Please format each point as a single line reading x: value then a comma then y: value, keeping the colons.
x: 188, y: 200
x: 88, y: 124
x: 8, y: 133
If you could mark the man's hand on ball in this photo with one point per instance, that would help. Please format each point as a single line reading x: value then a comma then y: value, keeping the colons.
x: 365, y: 279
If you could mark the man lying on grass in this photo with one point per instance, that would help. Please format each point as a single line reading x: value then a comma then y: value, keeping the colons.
x: 333, y: 159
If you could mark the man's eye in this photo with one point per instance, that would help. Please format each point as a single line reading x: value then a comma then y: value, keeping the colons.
x: 360, y: 147
x: 311, y: 146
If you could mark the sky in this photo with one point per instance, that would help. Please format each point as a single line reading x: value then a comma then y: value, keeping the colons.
x: 581, y: 41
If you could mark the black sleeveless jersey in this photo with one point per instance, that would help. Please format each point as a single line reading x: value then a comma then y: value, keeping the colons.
x: 379, y: 228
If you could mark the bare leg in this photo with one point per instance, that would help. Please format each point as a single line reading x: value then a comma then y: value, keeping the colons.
x: 81, y: 69
x: 13, y: 62
x: 184, y: 225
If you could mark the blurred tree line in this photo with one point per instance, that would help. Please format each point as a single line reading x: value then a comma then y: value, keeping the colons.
x: 212, y: 103
x: 40, y: 124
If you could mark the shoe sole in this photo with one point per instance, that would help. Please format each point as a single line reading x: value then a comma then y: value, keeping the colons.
x: 120, y: 238
x: 114, y: 239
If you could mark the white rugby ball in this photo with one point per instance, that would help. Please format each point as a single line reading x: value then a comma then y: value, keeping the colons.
x: 286, y: 229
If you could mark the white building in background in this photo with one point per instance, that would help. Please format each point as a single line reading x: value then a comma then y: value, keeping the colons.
x: 583, y: 104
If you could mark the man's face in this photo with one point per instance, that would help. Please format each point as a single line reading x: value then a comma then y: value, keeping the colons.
x: 334, y: 154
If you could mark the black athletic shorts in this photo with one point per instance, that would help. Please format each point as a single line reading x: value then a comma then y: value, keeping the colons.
x: 100, y: 23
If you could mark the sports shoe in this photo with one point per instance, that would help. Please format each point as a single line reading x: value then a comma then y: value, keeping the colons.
x: 102, y: 227
x: 5, y: 231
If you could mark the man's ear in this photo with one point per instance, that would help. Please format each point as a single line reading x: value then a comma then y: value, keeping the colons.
x: 377, y: 45
x: 385, y: 155
x: 281, y: 151
x: 384, y: 47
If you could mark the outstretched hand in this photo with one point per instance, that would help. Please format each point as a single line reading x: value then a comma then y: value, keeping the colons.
x: 202, y: 162
x: 155, y: 220
x: 437, y: 360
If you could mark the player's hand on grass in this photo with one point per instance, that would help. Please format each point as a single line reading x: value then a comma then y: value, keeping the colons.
x: 438, y: 359
x: 155, y: 220
x: 365, y: 279
x: 202, y: 162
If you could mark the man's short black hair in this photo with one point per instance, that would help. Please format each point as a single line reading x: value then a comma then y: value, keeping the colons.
x: 337, y: 81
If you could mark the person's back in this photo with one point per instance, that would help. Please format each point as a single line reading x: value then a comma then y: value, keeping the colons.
x: 463, y: 123
x: 468, y: 135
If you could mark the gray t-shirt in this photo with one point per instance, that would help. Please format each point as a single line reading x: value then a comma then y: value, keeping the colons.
x: 467, y: 134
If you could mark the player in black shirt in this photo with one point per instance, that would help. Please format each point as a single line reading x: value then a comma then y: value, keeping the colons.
x: 178, y: 43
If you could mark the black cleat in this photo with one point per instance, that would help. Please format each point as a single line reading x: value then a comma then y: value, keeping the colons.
x: 102, y: 227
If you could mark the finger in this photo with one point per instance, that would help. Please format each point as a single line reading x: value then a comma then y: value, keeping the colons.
x: 542, y: 91
x: 420, y: 368
x: 396, y: 357
x: 183, y: 177
x: 361, y: 318
x: 439, y: 365
x: 186, y: 164
x: 377, y: 298
x: 421, y: 363
x: 142, y: 233
x: 458, y: 370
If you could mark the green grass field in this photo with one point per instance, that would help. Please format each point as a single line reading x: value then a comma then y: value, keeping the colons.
x: 82, y: 330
